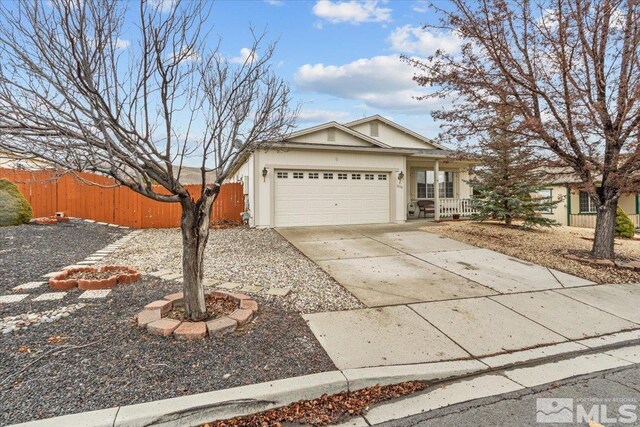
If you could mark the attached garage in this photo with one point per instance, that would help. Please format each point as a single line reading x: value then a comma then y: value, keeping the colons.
x: 330, y: 197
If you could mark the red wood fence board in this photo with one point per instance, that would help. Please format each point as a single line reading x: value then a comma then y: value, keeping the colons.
x: 49, y: 192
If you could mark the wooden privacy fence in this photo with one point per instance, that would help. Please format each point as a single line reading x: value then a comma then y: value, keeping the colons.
x: 49, y: 192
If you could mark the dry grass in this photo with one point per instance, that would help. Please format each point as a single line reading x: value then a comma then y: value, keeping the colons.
x: 543, y: 246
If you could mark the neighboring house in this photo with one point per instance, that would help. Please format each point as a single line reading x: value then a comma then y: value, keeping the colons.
x: 367, y: 171
x: 188, y: 175
x: 576, y: 209
x: 14, y: 161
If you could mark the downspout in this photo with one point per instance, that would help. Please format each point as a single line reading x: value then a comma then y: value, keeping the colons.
x: 569, y: 206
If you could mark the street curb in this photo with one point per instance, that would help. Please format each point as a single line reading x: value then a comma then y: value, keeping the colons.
x: 224, y: 404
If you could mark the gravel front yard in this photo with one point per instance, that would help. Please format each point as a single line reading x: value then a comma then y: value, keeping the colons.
x: 249, y: 257
x: 53, y: 246
x: 122, y: 364
x: 96, y: 357
x: 542, y: 246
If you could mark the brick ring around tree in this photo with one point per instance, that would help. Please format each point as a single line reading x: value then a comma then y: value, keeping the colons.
x: 155, y: 316
x: 89, y: 278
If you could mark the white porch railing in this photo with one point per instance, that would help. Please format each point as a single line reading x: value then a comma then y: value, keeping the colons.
x: 589, y: 221
x: 449, y: 207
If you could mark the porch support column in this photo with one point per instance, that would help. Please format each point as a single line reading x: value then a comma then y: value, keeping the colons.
x: 436, y: 190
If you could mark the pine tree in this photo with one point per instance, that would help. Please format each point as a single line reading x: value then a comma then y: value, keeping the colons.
x: 507, y: 182
x: 624, y: 226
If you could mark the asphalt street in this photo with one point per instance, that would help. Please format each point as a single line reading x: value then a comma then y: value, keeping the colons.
x: 611, y: 398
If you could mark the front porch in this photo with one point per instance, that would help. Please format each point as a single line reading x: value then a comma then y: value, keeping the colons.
x: 453, y: 197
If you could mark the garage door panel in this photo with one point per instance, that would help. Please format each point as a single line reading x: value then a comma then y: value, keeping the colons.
x: 321, y: 201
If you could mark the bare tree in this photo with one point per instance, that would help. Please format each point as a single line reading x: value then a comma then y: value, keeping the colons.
x: 568, y: 71
x: 133, y: 94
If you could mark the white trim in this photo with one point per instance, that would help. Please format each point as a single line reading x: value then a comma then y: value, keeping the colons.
x: 338, y: 126
x: 397, y: 126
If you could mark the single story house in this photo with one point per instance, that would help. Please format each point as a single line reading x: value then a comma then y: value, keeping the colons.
x: 576, y: 209
x: 367, y: 171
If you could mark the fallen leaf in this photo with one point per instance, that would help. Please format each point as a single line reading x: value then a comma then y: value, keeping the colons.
x: 24, y: 349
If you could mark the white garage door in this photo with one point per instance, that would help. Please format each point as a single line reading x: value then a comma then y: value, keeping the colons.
x: 330, y: 198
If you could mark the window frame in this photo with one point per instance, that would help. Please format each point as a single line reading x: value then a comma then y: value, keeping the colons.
x: 445, y: 187
x: 314, y: 175
x: 590, y: 203
x: 549, y: 210
x: 282, y: 175
x: 298, y: 175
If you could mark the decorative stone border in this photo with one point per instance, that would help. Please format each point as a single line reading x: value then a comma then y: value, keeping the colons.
x: 154, y: 319
x: 602, y: 262
x: 60, y: 281
x: 49, y: 220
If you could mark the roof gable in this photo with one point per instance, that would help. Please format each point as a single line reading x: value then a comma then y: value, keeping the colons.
x: 334, y: 133
x: 393, y: 134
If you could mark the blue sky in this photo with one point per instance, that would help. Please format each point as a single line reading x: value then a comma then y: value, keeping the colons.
x: 341, y: 57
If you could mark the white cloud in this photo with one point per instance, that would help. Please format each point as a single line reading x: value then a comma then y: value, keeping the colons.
x: 164, y: 6
x: 352, y: 11
x: 420, y: 6
x: 122, y: 43
x: 246, y: 55
x: 275, y: 2
x: 416, y: 40
x: 381, y: 83
x: 322, y: 116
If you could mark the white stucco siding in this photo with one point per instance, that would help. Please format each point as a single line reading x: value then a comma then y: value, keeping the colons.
x: 392, y: 136
x: 318, y: 160
x: 462, y: 187
x: 340, y: 138
x: 559, y: 212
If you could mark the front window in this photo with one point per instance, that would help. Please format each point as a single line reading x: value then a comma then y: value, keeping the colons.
x: 545, y: 195
x: 425, y: 184
x: 587, y: 204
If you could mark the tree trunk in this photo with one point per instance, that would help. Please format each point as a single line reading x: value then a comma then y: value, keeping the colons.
x: 195, y: 233
x: 605, y: 230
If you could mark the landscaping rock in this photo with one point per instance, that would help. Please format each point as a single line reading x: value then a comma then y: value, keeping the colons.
x: 221, y: 326
x: 163, y: 305
x: 604, y: 262
x: 176, y: 299
x: 191, y: 330
x: 250, y: 257
x: 163, y: 327
x: 249, y: 304
x: 147, y: 316
x: 242, y: 316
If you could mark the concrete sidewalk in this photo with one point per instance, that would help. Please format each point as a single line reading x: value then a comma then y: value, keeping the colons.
x: 434, y: 299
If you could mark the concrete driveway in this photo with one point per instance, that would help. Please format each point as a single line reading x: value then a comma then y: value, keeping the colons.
x: 433, y: 299
x: 399, y: 264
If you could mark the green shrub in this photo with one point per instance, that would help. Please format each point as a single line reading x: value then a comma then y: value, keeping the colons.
x: 14, y: 208
x: 624, y: 226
